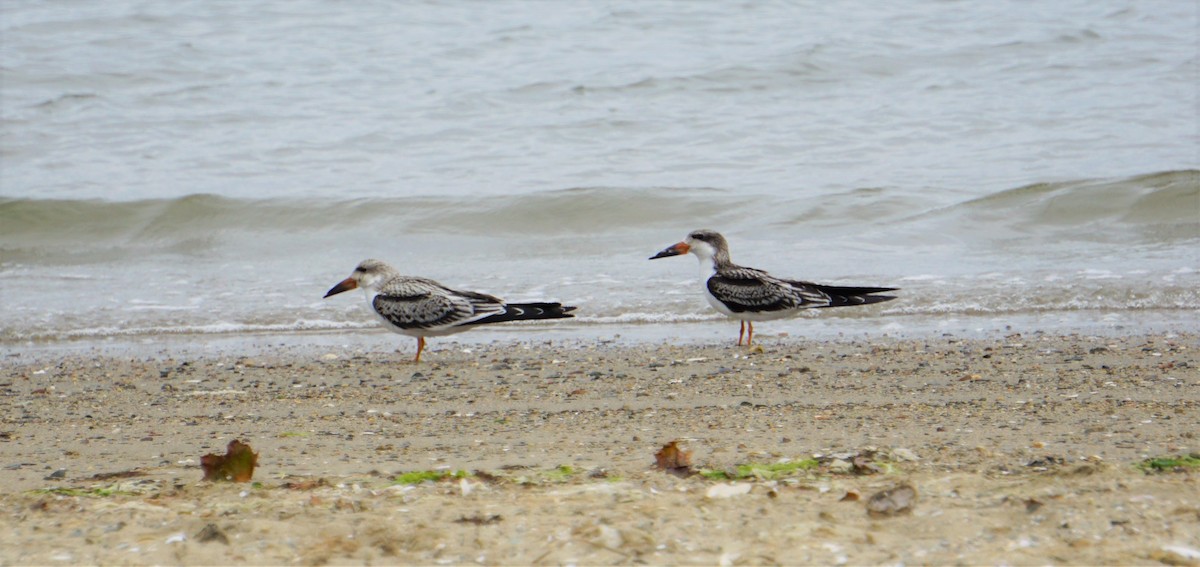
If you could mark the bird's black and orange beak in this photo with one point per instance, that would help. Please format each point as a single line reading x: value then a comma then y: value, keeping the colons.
x: 673, y: 250
x: 345, y: 285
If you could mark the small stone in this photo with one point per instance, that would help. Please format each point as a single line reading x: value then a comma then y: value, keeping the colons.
x: 896, y: 500
x: 609, y: 537
x: 1177, y: 555
x: 57, y: 475
x: 902, y: 454
x: 840, y: 466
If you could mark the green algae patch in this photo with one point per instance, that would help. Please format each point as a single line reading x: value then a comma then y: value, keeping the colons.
x: 1171, y: 464
x: 418, y: 477
x: 762, y: 471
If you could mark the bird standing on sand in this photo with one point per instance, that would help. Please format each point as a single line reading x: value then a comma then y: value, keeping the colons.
x: 420, y: 307
x: 751, y: 295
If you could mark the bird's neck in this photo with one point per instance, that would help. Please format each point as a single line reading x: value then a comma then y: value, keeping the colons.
x: 708, y: 267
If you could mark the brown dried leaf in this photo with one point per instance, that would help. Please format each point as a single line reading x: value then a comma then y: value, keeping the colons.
x: 1033, y: 505
x: 211, y: 532
x: 480, y: 520
x: 673, y: 458
x: 304, y: 484
x: 236, y: 465
x: 851, y: 496
x: 487, y: 477
x: 122, y: 474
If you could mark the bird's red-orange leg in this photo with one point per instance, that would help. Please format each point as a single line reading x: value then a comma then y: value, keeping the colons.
x: 750, y: 336
x: 420, y: 347
x: 741, y: 331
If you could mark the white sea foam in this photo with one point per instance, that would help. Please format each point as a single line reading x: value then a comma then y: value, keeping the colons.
x: 207, y: 329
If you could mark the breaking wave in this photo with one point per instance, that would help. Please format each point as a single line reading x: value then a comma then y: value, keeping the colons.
x: 1162, y: 206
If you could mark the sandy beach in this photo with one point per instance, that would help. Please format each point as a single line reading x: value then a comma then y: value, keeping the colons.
x: 1020, y: 450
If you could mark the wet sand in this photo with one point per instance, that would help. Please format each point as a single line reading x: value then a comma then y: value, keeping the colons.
x: 1021, y: 450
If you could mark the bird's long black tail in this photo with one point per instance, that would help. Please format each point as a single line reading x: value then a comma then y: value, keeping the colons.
x: 529, y: 312
x: 845, y: 296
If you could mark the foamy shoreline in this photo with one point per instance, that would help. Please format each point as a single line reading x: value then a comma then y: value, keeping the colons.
x: 710, y: 329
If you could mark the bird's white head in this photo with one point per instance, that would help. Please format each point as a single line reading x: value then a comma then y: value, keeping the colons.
x: 370, y: 275
x: 705, y: 244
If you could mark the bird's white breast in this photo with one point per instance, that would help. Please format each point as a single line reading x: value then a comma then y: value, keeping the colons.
x: 708, y: 269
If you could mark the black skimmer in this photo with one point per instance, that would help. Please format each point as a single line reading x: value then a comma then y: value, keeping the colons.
x: 421, y: 307
x: 751, y: 295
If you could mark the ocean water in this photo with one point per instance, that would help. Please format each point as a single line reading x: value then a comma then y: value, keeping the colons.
x: 210, y: 169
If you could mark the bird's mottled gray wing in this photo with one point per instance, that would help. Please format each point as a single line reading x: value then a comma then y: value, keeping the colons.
x: 418, y: 303
x: 747, y: 289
